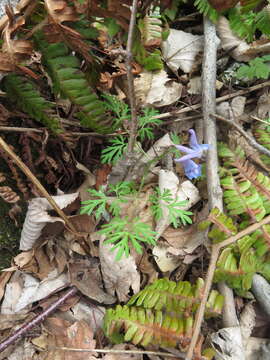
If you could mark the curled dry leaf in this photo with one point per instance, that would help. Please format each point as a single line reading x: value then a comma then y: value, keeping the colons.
x: 156, y: 89
x: 119, y: 276
x: 92, y: 314
x: 180, y: 50
x: 37, y: 216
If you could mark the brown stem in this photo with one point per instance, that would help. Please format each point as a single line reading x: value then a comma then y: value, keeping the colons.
x: 130, y: 79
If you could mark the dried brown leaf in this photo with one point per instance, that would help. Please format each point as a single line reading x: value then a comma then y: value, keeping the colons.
x: 62, y: 333
x: 88, y: 282
x: 59, y: 11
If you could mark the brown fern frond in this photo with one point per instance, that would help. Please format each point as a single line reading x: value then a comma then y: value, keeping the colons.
x: 59, y: 11
x: 8, y: 194
x: 248, y: 172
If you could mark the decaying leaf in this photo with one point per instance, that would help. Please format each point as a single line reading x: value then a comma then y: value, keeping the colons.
x: 165, y: 260
x: 119, y: 276
x: 37, y: 216
x: 88, y: 281
x: 228, y: 344
x: 239, y: 49
x: 180, y: 50
x: 92, y: 314
x: 156, y: 89
x: 62, y: 333
x: 59, y: 11
x: 247, y: 322
x: 23, y: 289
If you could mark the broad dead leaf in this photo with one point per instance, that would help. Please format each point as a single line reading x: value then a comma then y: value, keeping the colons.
x: 88, y: 281
x: 119, y: 276
x: 62, y: 333
x: 180, y: 50
x: 92, y: 314
x: 37, y: 216
x: 156, y: 89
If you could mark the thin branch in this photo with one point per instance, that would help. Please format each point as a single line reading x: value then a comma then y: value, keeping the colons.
x: 213, y: 184
x: 130, y: 79
x: 22, y: 331
x: 35, y: 181
x: 218, y: 100
x: 114, y: 351
x: 251, y: 141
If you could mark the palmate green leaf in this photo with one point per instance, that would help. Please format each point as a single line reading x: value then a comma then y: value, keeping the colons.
x: 114, y: 152
x: 99, y: 204
x: 256, y: 68
x: 123, y: 233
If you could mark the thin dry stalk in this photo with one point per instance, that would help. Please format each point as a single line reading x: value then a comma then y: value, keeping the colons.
x: 36, y: 182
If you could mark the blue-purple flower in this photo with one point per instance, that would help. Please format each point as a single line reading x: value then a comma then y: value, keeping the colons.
x: 192, y: 170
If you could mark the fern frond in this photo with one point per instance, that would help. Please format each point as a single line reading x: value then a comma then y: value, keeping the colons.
x: 206, y: 9
x: 223, y: 226
x: 71, y: 83
x: 144, y: 326
x: 261, y: 132
x: 26, y: 95
x: 180, y: 297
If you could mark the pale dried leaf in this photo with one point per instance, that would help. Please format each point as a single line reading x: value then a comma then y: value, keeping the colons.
x: 25, y: 289
x: 119, y: 276
x: 92, y: 314
x: 10, y: 320
x: 165, y: 260
x: 180, y: 50
x: 247, y: 322
x: 185, y: 240
x: 4, y: 278
x: 23, y: 351
x: 228, y: 344
x: 37, y: 217
x: 156, y: 89
x: 263, y: 106
x: 257, y: 349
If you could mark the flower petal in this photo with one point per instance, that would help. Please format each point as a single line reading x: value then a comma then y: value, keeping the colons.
x: 192, y: 170
x: 193, y: 154
x: 193, y: 143
x: 184, y: 149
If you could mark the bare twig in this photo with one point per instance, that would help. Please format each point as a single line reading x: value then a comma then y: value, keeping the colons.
x: 251, y: 141
x: 130, y: 79
x: 35, y: 181
x: 213, y: 184
x: 218, y: 100
x: 36, y: 320
x: 114, y: 351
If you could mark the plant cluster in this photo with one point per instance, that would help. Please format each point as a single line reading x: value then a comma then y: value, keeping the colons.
x: 258, y: 68
x: 124, y: 231
x: 161, y: 313
x: 247, y: 200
